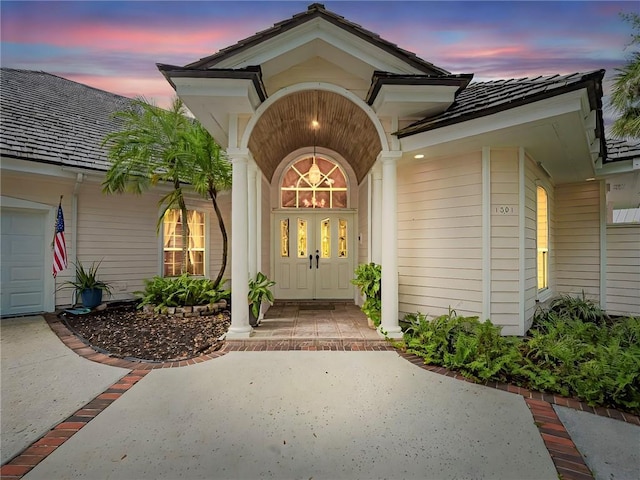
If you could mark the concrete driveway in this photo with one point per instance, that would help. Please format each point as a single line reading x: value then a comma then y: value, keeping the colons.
x: 305, y: 415
x: 43, y: 382
x: 292, y: 414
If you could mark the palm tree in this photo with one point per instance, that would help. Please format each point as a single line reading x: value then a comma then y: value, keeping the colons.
x: 152, y: 148
x: 211, y: 175
x: 626, y: 89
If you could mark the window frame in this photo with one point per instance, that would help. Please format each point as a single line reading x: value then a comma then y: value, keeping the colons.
x: 543, y: 293
x: 204, y: 249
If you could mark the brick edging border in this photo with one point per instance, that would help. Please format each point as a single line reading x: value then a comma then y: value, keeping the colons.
x: 86, y: 351
x: 35, y: 453
x: 526, y: 393
x: 566, y: 458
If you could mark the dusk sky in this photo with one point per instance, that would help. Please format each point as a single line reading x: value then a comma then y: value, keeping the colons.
x: 115, y: 45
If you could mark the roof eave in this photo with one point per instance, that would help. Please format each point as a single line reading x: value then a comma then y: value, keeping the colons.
x: 253, y: 73
x: 592, y: 81
x: 385, y: 78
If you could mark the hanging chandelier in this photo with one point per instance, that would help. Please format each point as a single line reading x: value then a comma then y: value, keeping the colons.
x: 314, y: 170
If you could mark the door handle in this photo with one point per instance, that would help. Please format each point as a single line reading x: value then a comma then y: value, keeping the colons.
x: 317, y: 258
x: 310, y: 261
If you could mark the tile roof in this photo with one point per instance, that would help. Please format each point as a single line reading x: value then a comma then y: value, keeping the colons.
x: 317, y: 10
x: 50, y: 119
x: 485, y: 98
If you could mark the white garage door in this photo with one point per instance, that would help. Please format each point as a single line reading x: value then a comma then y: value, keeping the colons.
x: 22, y: 261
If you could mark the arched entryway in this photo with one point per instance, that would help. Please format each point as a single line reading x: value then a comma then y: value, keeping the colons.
x: 313, y: 225
x: 300, y: 120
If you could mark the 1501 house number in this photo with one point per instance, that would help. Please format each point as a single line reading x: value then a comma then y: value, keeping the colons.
x: 505, y: 210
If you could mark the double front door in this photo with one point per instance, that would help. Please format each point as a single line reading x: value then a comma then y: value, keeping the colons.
x: 314, y: 257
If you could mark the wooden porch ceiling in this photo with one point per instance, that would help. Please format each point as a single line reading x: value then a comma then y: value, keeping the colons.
x: 286, y: 127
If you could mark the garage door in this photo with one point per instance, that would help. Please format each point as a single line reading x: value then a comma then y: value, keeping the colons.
x: 23, y: 261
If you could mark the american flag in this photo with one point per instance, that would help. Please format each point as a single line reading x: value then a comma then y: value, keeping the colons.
x: 59, y: 245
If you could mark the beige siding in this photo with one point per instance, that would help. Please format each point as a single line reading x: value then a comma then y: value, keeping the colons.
x: 623, y: 269
x: 440, y: 235
x: 577, y: 239
x: 318, y: 70
x: 505, y: 253
x: 119, y: 230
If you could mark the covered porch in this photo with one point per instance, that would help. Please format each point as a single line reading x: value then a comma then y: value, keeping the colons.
x: 312, y: 325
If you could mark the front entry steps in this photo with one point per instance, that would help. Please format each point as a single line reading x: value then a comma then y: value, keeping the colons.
x: 312, y: 325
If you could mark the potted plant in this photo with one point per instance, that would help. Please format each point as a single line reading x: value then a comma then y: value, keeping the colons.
x: 87, y: 285
x: 368, y: 278
x: 259, y: 291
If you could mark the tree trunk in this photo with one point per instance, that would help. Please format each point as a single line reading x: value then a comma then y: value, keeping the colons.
x: 184, y: 265
x: 213, y: 194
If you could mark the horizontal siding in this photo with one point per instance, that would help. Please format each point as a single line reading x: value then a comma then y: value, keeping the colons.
x: 440, y: 235
x: 623, y: 269
x: 505, y: 253
x: 120, y: 230
x: 577, y: 239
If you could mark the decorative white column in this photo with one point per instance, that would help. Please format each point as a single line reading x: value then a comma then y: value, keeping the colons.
x: 389, y: 256
x: 240, y: 327
x: 258, y: 220
x: 253, y: 219
x: 375, y: 243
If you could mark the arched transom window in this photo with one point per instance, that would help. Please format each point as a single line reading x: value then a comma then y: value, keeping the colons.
x: 304, y: 186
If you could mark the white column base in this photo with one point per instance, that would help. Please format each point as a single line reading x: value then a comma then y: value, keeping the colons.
x: 239, y: 332
x: 394, y: 333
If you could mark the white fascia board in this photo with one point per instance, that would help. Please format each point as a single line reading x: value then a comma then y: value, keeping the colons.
x: 39, y: 168
x: 318, y: 29
x: 411, y: 100
x: 234, y: 95
x: 616, y: 168
x: 534, y: 112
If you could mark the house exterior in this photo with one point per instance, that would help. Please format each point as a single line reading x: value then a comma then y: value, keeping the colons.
x: 485, y: 197
x: 52, y: 130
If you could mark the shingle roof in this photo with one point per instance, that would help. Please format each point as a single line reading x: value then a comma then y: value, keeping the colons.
x: 485, y: 98
x: 50, y: 119
x: 316, y: 10
x: 619, y: 150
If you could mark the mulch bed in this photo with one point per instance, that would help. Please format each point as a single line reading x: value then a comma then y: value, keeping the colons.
x: 125, y: 332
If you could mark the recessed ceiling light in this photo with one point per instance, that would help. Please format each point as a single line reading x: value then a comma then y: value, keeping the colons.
x: 419, y: 155
x: 591, y: 179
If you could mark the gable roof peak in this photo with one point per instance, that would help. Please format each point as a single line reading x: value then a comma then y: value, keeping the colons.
x: 314, y: 11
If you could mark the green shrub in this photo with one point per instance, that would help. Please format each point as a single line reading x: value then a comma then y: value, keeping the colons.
x: 180, y: 291
x: 567, y: 306
x: 572, y: 351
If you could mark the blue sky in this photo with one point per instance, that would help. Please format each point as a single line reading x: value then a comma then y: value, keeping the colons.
x: 115, y: 45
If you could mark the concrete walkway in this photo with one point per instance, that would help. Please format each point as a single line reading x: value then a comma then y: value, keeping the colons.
x: 43, y: 382
x: 317, y: 415
x: 610, y: 448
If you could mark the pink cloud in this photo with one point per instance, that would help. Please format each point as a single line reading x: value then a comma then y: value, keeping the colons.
x: 157, y: 90
x: 122, y: 38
